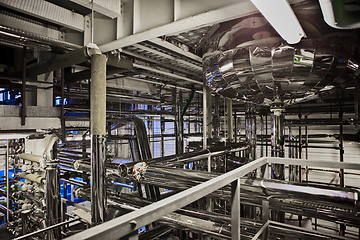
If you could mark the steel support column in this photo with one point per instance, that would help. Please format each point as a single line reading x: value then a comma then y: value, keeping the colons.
x: 98, y: 139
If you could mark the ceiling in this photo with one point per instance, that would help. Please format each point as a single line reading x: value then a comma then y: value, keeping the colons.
x: 179, y: 44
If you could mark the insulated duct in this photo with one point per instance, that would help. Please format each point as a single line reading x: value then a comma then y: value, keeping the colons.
x: 299, y: 73
x: 98, y: 138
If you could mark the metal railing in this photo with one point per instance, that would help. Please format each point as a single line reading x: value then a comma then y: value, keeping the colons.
x: 128, y: 224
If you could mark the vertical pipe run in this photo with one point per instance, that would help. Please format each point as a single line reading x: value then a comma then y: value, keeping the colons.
x: 53, y: 204
x: 277, y: 144
x: 261, y: 129
x: 23, y: 90
x: 25, y: 221
x: 98, y: 139
x: 162, y: 126
x: 250, y: 130
x: 341, y: 146
x: 235, y: 209
x: 7, y: 182
x: 63, y: 104
x: 207, y: 110
x: 181, y: 124
x: 216, y: 119
x: 235, y: 127
x: 229, y: 120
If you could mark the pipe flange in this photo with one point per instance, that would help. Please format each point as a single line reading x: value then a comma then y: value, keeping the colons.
x: 139, y: 171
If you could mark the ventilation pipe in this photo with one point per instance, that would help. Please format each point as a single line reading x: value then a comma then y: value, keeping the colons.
x: 336, y: 16
x: 98, y: 137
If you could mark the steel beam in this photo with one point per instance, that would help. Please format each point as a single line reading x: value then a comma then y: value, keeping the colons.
x: 176, y: 49
x: 165, y: 55
x: 47, y: 11
x: 30, y: 26
x: 109, y: 8
x: 201, y: 15
x: 172, y: 75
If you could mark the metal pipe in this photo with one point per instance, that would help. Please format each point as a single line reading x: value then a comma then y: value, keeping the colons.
x: 25, y: 221
x: 7, y: 182
x: 277, y: 145
x: 312, y: 122
x: 63, y: 132
x: 47, y: 229
x: 216, y: 119
x: 98, y: 138
x: 23, y: 89
x: 53, y: 214
x: 207, y: 110
x: 250, y: 129
x: 32, y: 177
x: 229, y: 120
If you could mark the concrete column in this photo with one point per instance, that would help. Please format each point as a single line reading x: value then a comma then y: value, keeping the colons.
x: 98, y: 138
x: 207, y: 114
x: 229, y: 120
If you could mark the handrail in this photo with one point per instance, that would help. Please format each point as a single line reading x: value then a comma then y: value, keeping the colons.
x: 128, y: 223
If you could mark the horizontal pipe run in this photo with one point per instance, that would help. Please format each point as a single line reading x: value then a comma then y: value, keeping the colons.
x: 30, y: 157
x: 47, y: 229
x: 32, y: 177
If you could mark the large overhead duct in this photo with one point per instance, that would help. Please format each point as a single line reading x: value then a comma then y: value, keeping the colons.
x: 300, y: 73
x: 246, y: 60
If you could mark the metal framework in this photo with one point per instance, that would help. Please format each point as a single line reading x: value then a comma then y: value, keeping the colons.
x: 128, y: 224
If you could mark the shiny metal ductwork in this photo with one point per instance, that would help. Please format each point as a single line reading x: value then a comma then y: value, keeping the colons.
x: 300, y: 73
x: 248, y: 61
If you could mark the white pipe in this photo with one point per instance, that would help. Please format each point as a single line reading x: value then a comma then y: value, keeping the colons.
x: 30, y: 157
x: 49, y: 146
x: 336, y: 16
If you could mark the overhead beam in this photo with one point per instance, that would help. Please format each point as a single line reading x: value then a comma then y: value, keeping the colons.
x: 206, y: 18
x: 176, y: 49
x: 172, y: 75
x: 31, y: 26
x: 47, y: 11
x: 109, y: 8
x: 165, y: 55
